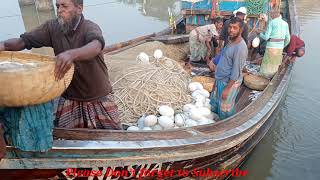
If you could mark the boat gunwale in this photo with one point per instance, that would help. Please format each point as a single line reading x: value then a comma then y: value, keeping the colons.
x: 196, y: 139
x: 151, y: 157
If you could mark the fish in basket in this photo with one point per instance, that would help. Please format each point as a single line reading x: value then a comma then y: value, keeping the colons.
x: 28, y: 79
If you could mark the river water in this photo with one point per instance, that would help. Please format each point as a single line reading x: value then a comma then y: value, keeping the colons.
x: 291, y: 149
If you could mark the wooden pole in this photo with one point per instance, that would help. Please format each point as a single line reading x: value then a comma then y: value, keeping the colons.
x: 44, y: 5
x: 41, y: 5
x: 33, y: 17
x: 26, y: 2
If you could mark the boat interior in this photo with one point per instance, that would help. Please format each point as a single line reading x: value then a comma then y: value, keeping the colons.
x: 178, y: 51
x: 246, y: 107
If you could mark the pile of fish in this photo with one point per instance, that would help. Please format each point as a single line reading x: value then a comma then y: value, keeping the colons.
x: 254, y: 95
x: 252, y: 68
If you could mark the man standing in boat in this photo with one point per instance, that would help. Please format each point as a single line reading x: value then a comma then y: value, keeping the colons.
x: 87, y: 102
x: 229, y: 71
x: 277, y: 36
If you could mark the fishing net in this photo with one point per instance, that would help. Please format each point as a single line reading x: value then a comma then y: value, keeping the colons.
x: 255, y: 7
x: 141, y: 88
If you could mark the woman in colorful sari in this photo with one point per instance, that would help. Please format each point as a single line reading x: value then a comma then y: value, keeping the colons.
x: 277, y: 36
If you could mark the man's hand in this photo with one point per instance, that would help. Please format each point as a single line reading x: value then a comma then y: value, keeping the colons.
x: 258, y: 31
x: 293, y: 59
x: 2, y: 47
x: 225, y: 93
x: 212, y: 67
x: 64, y: 62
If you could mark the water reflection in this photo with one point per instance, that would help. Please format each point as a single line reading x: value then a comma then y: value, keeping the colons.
x: 119, y: 20
x: 155, y: 8
x: 308, y: 10
x: 294, y: 136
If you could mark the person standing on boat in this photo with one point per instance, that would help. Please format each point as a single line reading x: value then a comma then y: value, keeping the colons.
x: 228, y: 76
x: 277, y: 36
x: 200, y: 42
x: 87, y: 102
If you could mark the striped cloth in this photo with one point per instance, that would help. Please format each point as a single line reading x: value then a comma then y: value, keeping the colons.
x: 224, y: 108
x: 99, y: 114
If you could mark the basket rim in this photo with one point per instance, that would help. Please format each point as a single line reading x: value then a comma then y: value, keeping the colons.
x: 17, y: 56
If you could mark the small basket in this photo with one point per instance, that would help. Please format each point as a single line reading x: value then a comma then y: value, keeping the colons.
x: 31, y: 83
x: 255, y: 82
x: 207, y: 82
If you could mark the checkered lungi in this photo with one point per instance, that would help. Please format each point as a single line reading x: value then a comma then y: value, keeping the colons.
x: 99, y: 114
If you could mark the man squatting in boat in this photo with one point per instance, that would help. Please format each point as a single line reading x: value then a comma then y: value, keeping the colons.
x: 88, y: 101
x: 200, y: 40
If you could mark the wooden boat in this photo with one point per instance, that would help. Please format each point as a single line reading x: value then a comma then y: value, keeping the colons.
x: 170, y: 154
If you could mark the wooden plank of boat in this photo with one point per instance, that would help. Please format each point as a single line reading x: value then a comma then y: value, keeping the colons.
x: 171, y: 39
x: 221, y: 145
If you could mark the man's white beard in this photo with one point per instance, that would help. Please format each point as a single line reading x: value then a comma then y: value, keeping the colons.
x: 66, y: 26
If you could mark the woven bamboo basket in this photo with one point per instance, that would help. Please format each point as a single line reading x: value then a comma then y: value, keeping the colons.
x: 207, y: 82
x: 32, y: 83
x: 256, y: 82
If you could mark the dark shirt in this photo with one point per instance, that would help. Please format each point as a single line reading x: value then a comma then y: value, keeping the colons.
x: 90, y: 80
x: 295, y: 44
x: 224, y: 32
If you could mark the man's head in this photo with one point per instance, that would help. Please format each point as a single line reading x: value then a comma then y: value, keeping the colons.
x: 218, y: 22
x: 274, y: 13
x: 69, y: 12
x: 300, y: 52
x: 241, y: 13
x: 235, y: 28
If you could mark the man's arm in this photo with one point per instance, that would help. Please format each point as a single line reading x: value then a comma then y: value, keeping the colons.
x: 292, y: 46
x: 245, y: 33
x: 226, y: 91
x: 88, y: 51
x: 266, y: 35
x: 65, y: 60
x: 287, y: 37
x: 16, y: 44
x: 208, y: 44
x: 94, y: 44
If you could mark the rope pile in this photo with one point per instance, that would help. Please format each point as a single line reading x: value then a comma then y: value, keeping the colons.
x: 141, y: 88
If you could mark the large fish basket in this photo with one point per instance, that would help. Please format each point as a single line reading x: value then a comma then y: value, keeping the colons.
x: 28, y: 79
